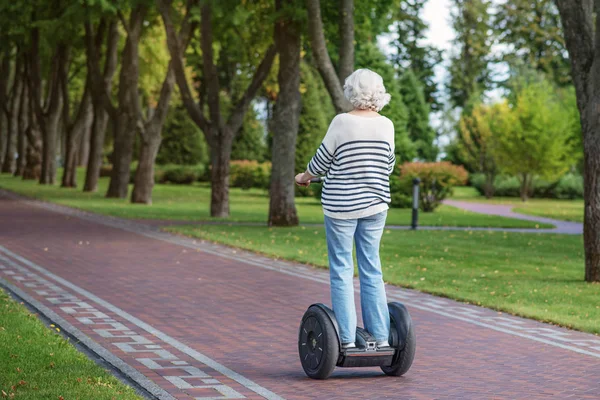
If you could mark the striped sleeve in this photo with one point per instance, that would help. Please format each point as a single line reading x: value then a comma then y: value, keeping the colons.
x: 391, y: 163
x: 321, y: 161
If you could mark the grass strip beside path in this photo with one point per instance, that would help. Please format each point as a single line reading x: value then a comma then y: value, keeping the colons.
x: 38, y: 363
x: 192, y: 202
x: 533, y: 275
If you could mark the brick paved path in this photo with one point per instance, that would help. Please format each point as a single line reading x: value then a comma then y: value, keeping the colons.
x: 200, y: 320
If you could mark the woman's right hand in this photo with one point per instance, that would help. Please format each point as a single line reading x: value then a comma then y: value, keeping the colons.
x: 302, y: 180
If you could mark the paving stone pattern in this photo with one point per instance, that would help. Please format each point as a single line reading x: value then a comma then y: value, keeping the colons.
x: 206, y: 321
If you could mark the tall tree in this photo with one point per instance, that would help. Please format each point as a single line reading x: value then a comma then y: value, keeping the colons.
x: 5, y: 65
x: 346, y: 62
x: 533, y: 137
x: 532, y: 34
x: 419, y: 131
x: 23, y: 126
x: 321, y: 55
x: 582, y: 37
x: 219, y: 132
x: 75, y: 130
x: 469, y: 70
x: 109, y: 32
x: 12, y: 115
x: 410, y: 52
x: 282, y: 210
x: 48, y: 112
x: 477, y: 142
x: 126, y: 116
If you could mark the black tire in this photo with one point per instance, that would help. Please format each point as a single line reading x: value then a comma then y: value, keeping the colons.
x: 318, y: 344
x: 404, y: 357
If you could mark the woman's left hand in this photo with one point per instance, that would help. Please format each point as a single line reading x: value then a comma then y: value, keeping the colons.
x: 302, y: 180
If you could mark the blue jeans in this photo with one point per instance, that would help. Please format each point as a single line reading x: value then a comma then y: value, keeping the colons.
x: 366, y: 233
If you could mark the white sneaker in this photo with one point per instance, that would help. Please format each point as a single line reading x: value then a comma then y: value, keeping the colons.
x: 348, y: 345
x: 385, y: 343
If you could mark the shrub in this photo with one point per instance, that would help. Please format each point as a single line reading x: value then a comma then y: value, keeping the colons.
x: 179, y: 174
x: 400, y: 191
x: 182, y: 141
x: 247, y: 174
x: 570, y: 186
x: 437, y: 181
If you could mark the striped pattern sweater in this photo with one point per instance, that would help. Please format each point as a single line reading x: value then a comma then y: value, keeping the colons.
x: 356, y: 158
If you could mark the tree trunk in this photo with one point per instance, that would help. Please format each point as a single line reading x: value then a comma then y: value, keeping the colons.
x: 49, y: 117
x: 282, y: 209
x: 82, y: 123
x: 489, y: 185
x: 22, y: 132
x: 583, y: 44
x: 525, y: 187
x: 92, y: 172
x: 144, y: 174
x: 3, y: 135
x: 124, y: 131
x: 220, y: 159
x: 591, y: 225
x: 101, y: 87
x: 83, y: 153
x: 128, y: 114
x: 4, y: 76
x: 49, y: 142
x: 346, y: 62
x: 9, y: 164
x: 322, y: 59
x: 151, y: 139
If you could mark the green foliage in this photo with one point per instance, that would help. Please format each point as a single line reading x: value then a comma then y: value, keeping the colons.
x: 532, y: 31
x: 534, y: 136
x: 437, y: 181
x: 469, y: 71
x: 315, y: 115
x: 248, y: 174
x: 568, y: 187
x: 369, y: 56
x: 371, y: 18
x: 400, y: 190
x: 183, y: 143
x: 411, y: 54
x: 250, y: 142
x: 419, y: 131
x: 178, y: 174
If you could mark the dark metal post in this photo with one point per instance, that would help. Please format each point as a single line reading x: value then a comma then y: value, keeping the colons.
x: 415, y: 211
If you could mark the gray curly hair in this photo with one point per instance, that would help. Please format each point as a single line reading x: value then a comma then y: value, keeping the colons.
x: 364, y: 90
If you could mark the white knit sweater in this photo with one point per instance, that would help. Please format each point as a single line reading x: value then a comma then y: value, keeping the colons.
x: 356, y: 158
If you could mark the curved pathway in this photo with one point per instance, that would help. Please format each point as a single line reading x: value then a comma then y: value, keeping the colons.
x: 186, y: 319
x: 565, y: 227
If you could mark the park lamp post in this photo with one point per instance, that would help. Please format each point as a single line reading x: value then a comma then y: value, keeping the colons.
x: 415, y: 210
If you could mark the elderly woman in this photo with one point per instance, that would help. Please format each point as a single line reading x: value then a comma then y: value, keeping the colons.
x: 356, y: 158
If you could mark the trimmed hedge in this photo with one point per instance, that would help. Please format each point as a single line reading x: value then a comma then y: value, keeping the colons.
x: 570, y: 186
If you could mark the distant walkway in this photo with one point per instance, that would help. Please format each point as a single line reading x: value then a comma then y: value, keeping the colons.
x: 565, y: 227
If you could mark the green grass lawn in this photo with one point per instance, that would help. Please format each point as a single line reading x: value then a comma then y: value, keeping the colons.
x: 37, y: 363
x: 565, y: 210
x: 532, y: 275
x: 191, y: 202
